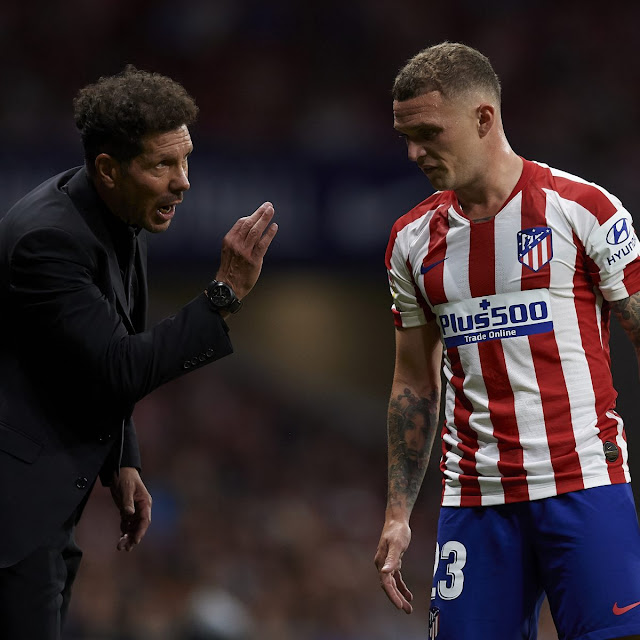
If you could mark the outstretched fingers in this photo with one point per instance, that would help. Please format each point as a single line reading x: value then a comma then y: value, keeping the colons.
x: 403, y: 589
x: 396, y: 590
x: 259, y: 226
x: 251, y: 228
x: 388, y: 560
x: 244, y: 247
x: 263, y: 243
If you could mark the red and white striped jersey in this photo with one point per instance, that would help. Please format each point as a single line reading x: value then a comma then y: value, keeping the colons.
x: 522, y: 305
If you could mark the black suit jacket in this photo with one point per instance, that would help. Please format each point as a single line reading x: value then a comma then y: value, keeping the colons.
x: 72, y: 361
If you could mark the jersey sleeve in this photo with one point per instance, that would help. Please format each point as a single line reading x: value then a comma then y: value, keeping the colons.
x: 613, y: 247
x: 408, y: 308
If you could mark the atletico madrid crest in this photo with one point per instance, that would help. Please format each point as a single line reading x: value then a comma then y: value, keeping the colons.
x: 534, y: 247
x: 434, y: 622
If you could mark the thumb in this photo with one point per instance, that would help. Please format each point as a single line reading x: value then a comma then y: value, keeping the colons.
x: 128, y: 507
x: 391, y: 563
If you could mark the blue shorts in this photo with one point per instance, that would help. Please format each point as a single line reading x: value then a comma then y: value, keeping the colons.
x: 494, y: 565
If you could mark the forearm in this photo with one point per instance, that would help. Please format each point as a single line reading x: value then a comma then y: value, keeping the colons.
x: 130, y: 447
x: 61, y: 301
x: 137, y: 364
x: 627, y: 312
x: 411, y: 428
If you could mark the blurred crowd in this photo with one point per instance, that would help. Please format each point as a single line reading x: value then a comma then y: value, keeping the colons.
x: 265, y: 521
x: 268, y: 501
x: 314, y: 78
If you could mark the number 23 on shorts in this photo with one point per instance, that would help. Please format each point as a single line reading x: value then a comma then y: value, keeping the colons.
x: 454, y: 553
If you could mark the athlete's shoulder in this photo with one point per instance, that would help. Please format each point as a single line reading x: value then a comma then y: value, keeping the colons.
x: 424, y: 209
x: 413, y: 225
x: 574, y: 189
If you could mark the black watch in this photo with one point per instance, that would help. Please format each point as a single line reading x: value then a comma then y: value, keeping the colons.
x: 222, y: 297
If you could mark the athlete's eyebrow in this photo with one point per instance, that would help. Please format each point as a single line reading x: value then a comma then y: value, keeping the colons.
x: 421, y: 130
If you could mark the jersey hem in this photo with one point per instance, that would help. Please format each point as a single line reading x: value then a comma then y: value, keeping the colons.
x: 537, y: 493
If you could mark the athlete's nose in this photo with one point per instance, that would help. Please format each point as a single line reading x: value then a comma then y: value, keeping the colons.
x: 414, y: 151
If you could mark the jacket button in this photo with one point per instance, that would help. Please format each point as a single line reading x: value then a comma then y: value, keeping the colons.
x: 202, y: 357
x: 210, y: 352
x: 82, y: 482
x: 186, y: 365
x: 194, y: 361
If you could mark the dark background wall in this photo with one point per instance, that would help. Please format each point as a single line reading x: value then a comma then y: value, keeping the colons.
x: 268, y: 469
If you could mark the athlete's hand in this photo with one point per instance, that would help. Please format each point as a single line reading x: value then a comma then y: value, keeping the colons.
x: 243, y: 249
x: 393, y: 543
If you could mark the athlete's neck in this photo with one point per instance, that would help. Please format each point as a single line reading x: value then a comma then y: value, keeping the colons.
x: 483, y: 199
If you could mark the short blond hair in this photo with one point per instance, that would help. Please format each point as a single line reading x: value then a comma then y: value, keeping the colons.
x: 450, y: 68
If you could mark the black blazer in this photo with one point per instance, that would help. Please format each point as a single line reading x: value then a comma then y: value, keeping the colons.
x: 72, y: 362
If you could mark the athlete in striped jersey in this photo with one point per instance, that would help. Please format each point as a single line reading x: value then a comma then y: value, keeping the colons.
x: 505, y: 278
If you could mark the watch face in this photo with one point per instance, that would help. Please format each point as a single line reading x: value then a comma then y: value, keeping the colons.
x: 220, y: 295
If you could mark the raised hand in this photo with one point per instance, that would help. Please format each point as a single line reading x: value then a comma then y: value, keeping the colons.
x: 244, y: 247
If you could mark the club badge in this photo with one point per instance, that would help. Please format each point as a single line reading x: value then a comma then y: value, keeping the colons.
x: 535, y: 248
x: 434, y: 622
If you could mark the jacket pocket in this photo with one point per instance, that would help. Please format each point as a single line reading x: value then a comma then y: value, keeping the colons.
x: 18, y: 444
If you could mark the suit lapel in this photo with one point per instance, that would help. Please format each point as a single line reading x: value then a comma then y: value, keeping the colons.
x: 93, y: 210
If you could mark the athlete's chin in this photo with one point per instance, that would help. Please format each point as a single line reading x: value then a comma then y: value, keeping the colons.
x: 440, y: 180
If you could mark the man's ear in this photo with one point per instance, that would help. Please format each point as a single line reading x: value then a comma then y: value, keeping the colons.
x: 486, y: 118
x: 107, y: 170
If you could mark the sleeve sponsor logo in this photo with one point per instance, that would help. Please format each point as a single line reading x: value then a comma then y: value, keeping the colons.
x: 619, y: 232
x: 535, y: 248
x: 614, y: 244
x: 504, y: 315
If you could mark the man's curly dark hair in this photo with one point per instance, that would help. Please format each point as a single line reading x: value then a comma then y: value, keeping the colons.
x: 116, y: 112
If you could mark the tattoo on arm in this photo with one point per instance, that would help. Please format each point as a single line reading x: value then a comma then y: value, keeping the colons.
x: 628, y: 313
x: 411, y: 425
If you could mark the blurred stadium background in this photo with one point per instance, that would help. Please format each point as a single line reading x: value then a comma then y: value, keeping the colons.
x: 268, y: 468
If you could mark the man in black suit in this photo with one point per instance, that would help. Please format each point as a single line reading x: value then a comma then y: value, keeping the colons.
x: 74, y: 353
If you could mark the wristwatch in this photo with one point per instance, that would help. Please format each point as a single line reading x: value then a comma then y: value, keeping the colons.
x: 222, y: 297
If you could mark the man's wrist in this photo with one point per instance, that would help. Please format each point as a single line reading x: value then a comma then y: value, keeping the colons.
x: 222, y: 297
x: 397, y: 511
